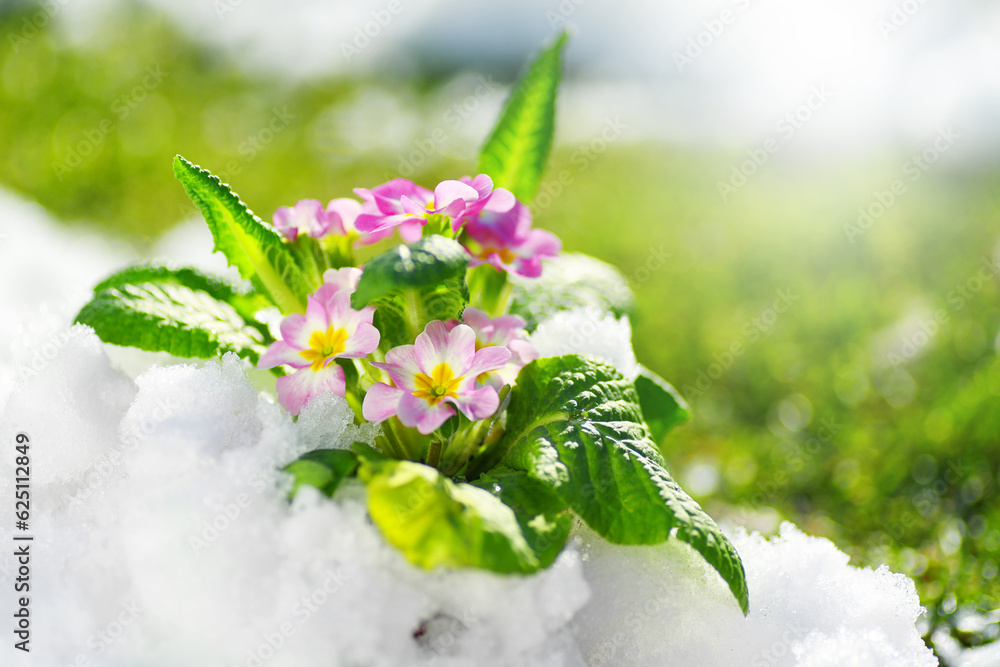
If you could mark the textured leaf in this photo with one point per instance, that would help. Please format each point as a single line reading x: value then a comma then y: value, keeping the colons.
x: 517, y: 150
x: 170, y: 318
x: 324, y: 469
x: 250, y: 245
x: 541, y: 514
x: 575, y: 424
x: 412, y: 285
x: 436, y: 522
x: 242, y: 297
x: 571, y: 281
x: 662, y: 407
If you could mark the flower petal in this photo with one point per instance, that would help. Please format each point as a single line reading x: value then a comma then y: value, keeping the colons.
x: 488, y: 359
x: 297, y: 389
x: 281, y: 353
x: 380, y: 402
x: 342, y: 213
x: 416, y: 412
x: 436, y: 345
x: 296, y: 329
x: 346, y: 278
x: 478, y: 404
x: 362, y: 342
x: 401, y: 365
x: 451, y: 191
x: 411, y: 231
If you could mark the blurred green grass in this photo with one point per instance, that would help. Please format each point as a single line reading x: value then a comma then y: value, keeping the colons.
x: 896, y: 462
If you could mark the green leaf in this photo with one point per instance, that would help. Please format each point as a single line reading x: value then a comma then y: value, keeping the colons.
x: 571, y: 281
x: 164, y: 317
x: 250, y: 245
x: 436, y: 522
x: 517, y: 150
x: 412, y: 285
x: 242, y: 297
x: 541, y: 514
x: 662, y: 406
x: 575, y: 424
x: 324, y: 469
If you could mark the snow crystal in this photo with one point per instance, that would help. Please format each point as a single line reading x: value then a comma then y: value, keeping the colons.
x: 588, y: 331
x: 164, y: 534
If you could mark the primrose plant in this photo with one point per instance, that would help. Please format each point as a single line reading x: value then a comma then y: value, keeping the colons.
x: 485, y: 452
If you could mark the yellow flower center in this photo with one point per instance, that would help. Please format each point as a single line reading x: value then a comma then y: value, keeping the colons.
x: 323, y: 345
x: 439, y: 385
x: 506, y: 256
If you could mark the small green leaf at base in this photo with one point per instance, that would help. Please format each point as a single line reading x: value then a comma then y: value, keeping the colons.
x: 438, y: 523
x: 575, y: 425
x: 543, y: 517
x: 662, y: 407
x: 515, y: 154
x: 323, y: 469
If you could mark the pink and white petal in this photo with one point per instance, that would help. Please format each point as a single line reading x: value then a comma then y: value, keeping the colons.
x: 501, y: 200
x: 447, y: 192
x: 431, y: 346
x: 281, y: 353
x: 368, y: 223
x: 482, y: 184
x: 522, y: 351
x: 452, y: 210
x: 297, y: 389
x: 478, y: 320
x: 479, y: 404
x: 346, y: 278
x: 540, y: 243
x: 401, y: 365
x: 416, y: 412
x: 325, y: 294
x: 343, y: 212
x: 411, y: 207
x: 489, y: 358
x: 380, y: 402
x: 362, y: 342
x: 411, y: 231
x: 296, y: 329
x: 339, y: 309
x: 510, y: 325
x: 527, y: 267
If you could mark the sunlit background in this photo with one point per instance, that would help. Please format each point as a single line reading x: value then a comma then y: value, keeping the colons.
x: 804, y: 195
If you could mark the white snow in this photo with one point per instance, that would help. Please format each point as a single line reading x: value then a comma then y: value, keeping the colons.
x: 163, y: 534
x: 588, y: 331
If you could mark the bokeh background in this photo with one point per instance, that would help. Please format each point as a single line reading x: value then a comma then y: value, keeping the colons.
x: 804, y: 195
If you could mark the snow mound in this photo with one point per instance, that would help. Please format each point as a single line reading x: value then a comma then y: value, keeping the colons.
x: 163, y: 536
x: 588, y: 331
